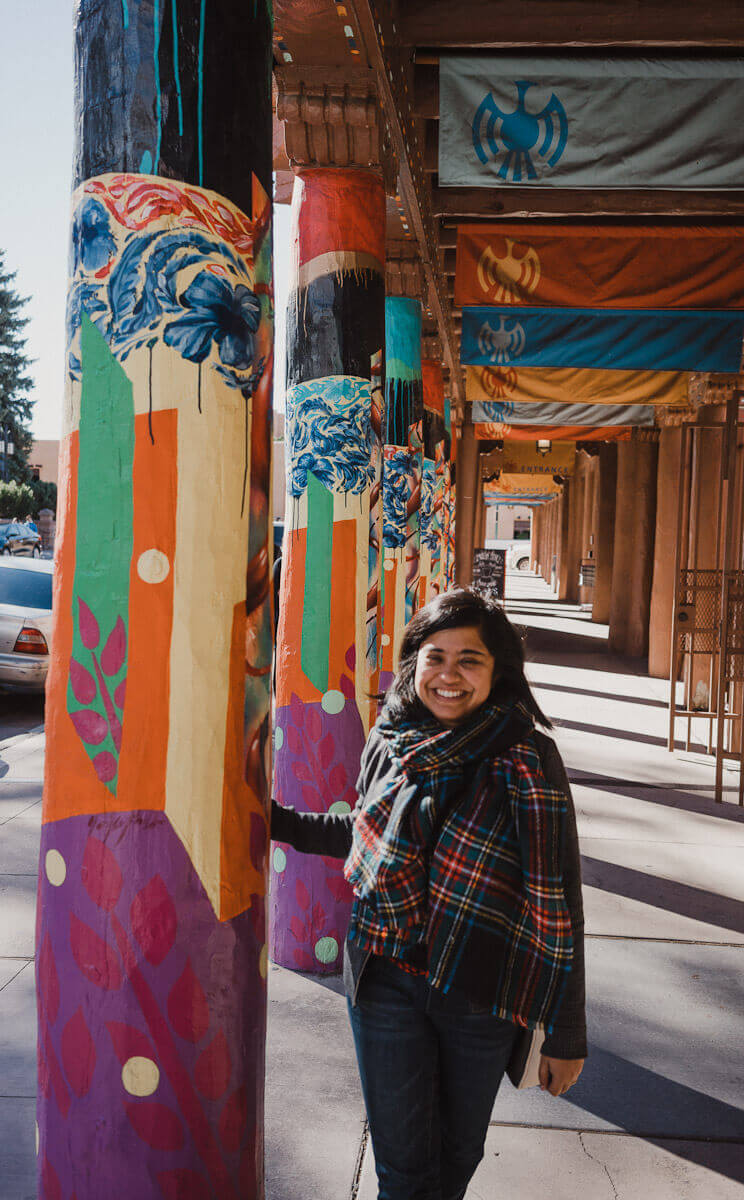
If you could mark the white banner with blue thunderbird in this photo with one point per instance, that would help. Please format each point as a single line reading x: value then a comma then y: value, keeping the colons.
x: 563, y: 122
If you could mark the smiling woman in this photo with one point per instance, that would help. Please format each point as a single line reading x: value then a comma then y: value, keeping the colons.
x: 466, y: 928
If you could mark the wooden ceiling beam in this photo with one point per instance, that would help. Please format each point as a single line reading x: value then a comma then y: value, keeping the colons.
x: 491, y: 202
x: 390, y: 59
x: 535, y: 24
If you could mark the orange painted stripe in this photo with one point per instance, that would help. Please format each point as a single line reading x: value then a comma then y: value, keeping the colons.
x: 343, y: 601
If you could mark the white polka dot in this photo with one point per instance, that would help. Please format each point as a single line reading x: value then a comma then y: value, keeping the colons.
x: 55, y: 867
x: 333, y: 702
x: 280, y: 860
x: 278, y: 738
x: 263, y: 960
x: 388, y: 564
x: 326, y: 950
x: 385, y: 639
x: 140, y: 1076
x: 153, y: 566
x: 340, y: 806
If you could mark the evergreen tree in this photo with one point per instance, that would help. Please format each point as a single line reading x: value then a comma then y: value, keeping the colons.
x: 15, y: 383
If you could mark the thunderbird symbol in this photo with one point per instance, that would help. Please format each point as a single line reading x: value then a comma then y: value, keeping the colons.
x: 513, y: 136
x: 503, y: 344
x: 509, y: 278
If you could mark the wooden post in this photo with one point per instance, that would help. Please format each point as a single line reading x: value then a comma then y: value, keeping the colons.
x: 623, y: 553
x: 467, y: 482
x: 664, y: 581
x: 605, y: 532
x: 151, y: 955
x: 644, y: 521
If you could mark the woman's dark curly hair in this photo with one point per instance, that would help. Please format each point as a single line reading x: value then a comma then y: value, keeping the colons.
x: 458, y: 609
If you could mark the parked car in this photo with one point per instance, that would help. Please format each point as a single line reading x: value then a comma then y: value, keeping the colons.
x: 17, y: 538
x: 517, y: 552
x: 25, y: 623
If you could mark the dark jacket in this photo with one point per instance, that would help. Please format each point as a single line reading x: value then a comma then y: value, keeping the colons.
x: 330, y: 834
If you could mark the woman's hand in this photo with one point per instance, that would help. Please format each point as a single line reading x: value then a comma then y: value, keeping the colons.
x: 557, y: 1075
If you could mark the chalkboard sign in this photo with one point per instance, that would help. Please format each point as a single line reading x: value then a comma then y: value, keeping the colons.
x: 489, y: 572
x: 587, y: 573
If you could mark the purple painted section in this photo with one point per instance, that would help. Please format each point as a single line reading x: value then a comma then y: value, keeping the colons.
x: 131, y: 992
x: 315, y: 768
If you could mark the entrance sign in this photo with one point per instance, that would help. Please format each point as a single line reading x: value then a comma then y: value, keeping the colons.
x: 584, y: 266
x: 524, y: 458
x: 564, y: 414
x: 562, y: 122
x: 612, y: 339
x: 574, y: 385
x: 489, y: 571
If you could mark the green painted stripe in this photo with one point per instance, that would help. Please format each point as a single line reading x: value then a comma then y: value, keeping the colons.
x: 316, y: 623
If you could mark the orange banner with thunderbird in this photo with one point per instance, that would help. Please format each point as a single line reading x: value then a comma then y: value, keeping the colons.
x: 488, y: 431
x: 580, y: 385
x: 586, y: 266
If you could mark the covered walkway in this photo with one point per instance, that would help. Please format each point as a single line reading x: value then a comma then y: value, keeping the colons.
x: 656, y: 1114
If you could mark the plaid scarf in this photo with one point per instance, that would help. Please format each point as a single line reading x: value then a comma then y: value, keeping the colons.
x: 458, y: 851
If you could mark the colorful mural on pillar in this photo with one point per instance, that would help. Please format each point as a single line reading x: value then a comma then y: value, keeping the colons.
x: 151, y: 955
x: 328, y: 607
x: 432, y: 479
x: 402, y: 473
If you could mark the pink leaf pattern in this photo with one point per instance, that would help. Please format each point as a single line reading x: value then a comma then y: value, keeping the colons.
x: 155, y: 1124
x: 213, y: 1068
x: 95, y: 958
x: 302, y: 894
x: 114, y: 652
x: 187, y: 1007
x: 233, y: 1119
x: 48, y: 980
x: 183, y: 1184
x: 78, y: 1054
x: 120, y: 694
x: 90, y: 726
x: 154, y: 921
x: 82, y: 682
x: 301, y: 771
x: 347, y: 687
x: 297, y: 928
x: 51, y: 1188
x: 327, y: 750
x: 105, y: 766
x: 338, y: 778
x: 314, y: 724
x: 90, y: 634
x: 101, y: 874
x: 128, y: 1042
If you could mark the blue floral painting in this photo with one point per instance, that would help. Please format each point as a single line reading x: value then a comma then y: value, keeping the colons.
x: 188, y: 287
x: 429, y: 532
x: 329, y: 433
x: 397, y: 488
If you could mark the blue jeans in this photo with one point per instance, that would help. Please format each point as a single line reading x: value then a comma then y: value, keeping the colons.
x: 430, y: 1067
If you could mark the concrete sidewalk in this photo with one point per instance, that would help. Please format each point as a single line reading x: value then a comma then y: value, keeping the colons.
x: 656, y: 1114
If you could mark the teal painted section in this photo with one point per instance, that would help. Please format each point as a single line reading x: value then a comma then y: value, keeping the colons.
x: 103, y: 554
x: 402, y: 338
x: 316, y: 625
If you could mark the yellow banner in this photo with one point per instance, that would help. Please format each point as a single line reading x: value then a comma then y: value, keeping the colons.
x: 569, y: 385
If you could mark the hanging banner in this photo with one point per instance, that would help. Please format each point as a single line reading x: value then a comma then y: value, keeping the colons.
x: 610, y: 339
x: 611, y: 266
x: 487, y: 431
x: 572, y: 385
x: 564, y: 122
x: 524, y: 458
x: 563, y: 414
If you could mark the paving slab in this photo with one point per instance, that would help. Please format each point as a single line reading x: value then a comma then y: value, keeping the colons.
x: 17, y: 796
x: 22, y: 757
x: 17, y: 1149
x: 9, y: 968
x: 19, y: 842
x: 665, y: 1034
x: 18, y: 1035
x: 17, y: 915
x: 660, y: 814
x: 314, y: 1107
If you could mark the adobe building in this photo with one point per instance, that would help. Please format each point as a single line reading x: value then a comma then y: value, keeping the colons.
x: 502, y: 293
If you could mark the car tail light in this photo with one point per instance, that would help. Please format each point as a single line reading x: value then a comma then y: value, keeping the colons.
x: 30, y: 641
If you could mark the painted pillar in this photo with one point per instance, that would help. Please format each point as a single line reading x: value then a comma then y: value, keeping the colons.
x: 563, y: 539
x: 467, y: 482
x: 663, y: 586
x: 151, y: 956
x: 605, y: 532
x: 335, y: 320
x: 622, y: 563
x: 586, y: 549
x: 644, y: 523
x: 432, y: 478
x: 401, y: 475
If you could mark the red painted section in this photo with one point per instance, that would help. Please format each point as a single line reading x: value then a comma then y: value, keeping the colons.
x: 331, y: 217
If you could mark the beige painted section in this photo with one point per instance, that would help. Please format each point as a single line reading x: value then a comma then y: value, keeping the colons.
x: 44, y: 455
x: 209, y: 582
